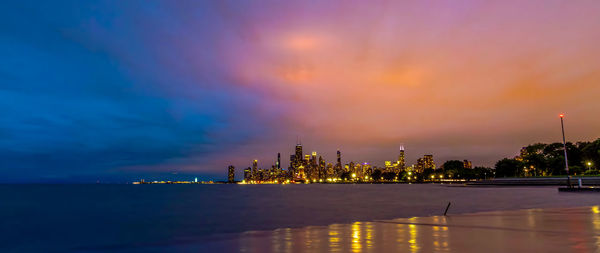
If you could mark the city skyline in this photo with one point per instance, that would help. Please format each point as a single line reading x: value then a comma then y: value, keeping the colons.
x: 299, y: 126
x: 401, y: 157
x: 310, y: 167
x: 114, y: 91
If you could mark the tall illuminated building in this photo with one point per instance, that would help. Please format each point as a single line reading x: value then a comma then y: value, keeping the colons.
x: 321, y: 169
x: 298, y: 157
x: 292, y: 160
x: 339, y: 158
x: 231, y: 174
x: 247, y: 174
x: 255, y: 167
x: 428, y: 162
x: 299, y: 154
x: 278, y: 165
x: 330, y: 170
x: 401, y: 159
x: 388, y: 164
x: 313, y: 160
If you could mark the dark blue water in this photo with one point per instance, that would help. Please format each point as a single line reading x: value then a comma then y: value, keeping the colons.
x: 78, y: 218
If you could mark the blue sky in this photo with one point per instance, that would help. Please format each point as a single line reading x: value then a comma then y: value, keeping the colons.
x: 120, y: 90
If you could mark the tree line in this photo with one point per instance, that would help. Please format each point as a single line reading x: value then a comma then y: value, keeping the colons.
x: 542, y: 159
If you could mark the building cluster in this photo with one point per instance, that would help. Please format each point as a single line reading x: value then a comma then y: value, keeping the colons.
x: 467, y: 164
x: 305, y: 168
x: 143, y: 181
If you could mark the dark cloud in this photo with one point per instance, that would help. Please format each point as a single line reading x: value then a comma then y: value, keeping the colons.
x: 88, y: 88
x: 119, y: 90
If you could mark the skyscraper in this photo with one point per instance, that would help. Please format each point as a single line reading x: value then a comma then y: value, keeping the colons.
x: 298, y: 157
x: 321, y: 169
x: 299, y: 154
x: 231, y: 174
x: 339, y: 158
x: 254, y: 168
x: 292, y: 161
x: 428, y: 162
x: 401, y: 160
x: 247, y: 174
x: 278, y: 161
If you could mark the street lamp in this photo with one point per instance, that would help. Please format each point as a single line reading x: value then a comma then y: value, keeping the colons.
x: 562, y: 126
x: 589, y: 164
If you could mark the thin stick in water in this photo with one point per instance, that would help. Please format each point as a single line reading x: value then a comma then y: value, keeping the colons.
x: 447, y: 208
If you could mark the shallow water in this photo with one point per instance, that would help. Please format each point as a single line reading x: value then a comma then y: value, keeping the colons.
x: 72, y: 218
x: 574, y: 229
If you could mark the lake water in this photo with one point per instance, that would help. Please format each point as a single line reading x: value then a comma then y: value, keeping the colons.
x: 79, y: 218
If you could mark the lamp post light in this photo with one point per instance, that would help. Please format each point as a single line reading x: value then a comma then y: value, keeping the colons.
x: 589, y: 164
x: 562, y: 126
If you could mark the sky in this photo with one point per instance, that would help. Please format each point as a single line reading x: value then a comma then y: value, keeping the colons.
x: 115, y: 91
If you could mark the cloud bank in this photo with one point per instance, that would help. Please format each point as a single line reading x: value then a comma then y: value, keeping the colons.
x: 121, y: 90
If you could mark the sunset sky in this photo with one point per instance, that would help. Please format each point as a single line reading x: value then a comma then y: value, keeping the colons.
x: 121, y: 90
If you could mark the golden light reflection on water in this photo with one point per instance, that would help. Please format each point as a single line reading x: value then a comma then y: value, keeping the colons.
x: 356, y: 243
x: 369, y: 237
x: 288, y: 240
x: 276, y: 241
x: 596, y: 222
x: 535, y: 230
x: 400, y: 230
x: 334, y: 238
x: 531, y: 217
x: 412, y: 231
x: 307, y: 238
x: 440, y: 234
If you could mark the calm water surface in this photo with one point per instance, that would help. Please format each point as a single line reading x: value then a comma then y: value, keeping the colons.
x: 78, y: 218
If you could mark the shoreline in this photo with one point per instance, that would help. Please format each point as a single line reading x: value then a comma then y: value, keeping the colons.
x: 195, y: 213
x: 217, y: 241
x: 421, y: 232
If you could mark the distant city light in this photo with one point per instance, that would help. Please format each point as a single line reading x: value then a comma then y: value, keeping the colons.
x: 311, y: 168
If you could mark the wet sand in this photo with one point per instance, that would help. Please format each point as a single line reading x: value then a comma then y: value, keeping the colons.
x: 532, y: 230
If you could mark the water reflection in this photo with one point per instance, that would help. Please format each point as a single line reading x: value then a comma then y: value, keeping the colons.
x: 369, y: 237
x: 334, y: 237
x: 412, y: 242
x: 440, y: 234
x: 276, y: 240
x: 525, y: 230
x: 400, y: 238
x: 288, y: 240
x: 596, y: 223
x: 356, y: 243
